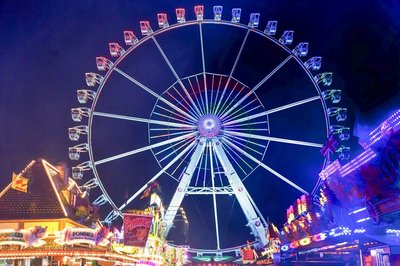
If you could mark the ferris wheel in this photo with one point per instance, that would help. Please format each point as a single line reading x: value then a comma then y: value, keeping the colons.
x: 200, y: 104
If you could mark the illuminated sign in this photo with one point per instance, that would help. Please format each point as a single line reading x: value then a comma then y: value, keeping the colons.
x: 71, y: 236
x: 136, y: 229
x: 25, y: 238
x: 12, y: 237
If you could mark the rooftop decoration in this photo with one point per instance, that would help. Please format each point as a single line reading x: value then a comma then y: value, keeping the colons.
x: 45, y: 191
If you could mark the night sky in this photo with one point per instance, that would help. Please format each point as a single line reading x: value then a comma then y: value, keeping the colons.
x: 47, y: 46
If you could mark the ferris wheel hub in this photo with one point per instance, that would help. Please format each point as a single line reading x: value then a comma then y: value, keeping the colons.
x: 209, y: 126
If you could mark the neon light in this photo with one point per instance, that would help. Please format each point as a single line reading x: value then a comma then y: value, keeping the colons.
x: 305, y: 241
x: 393, y: 232
x: 357, y: 211
x: 290, y: 214
x: 295, y: 244
x: 70, y: 253
x: 340, y: 231
x: 361, y: 159
x: 359, y: 231
x: 319, y: 237
x: 363, y: 220
x: 392, y: 122
x: 329, y: 170
x: 285, y: 248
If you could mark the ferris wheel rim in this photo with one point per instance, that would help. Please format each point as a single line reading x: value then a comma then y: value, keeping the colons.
x: 171, y: 27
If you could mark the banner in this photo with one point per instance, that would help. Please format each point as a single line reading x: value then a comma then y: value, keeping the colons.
x: 136, y: 229
x: 71, y: 236
x: 14, y: 237
x: 24, y: 238
x: 19, y: 183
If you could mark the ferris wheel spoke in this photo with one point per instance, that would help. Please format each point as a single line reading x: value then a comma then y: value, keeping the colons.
x: 212, y: 94
x: 172, y: 112
x: 169, y: 117
x: 268, y: 138
x: 204, y: 67
x: 181, y: 104
x: 163, y: 170
x: 168, y: 135
x: 200, y: 96
x: 243, y: 145
x: 266, y: 167
x: 191, y: 106
x: 242, y: 129
x: 230, y: 103
x: 257, y: 86
x: 171, y: 129
x: 174, y: 151
x: 170, y: 147
x: 232, y: 70
x: 228, y: 151
x: 228, y: 99
x: 290, y: 105
x: 173, y: 106
x: 139, y: 150
x: 182, y: 161
x: 234, y: 116
x: 196, y: 98
x: 274, y: 110
x: 247, y: 124
x: 173, y: 71
x: 246, y: 140
x: 214, y: 104
x: 214, y: 196
x: 144, y: 120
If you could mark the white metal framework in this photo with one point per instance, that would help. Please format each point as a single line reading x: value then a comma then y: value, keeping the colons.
x: 208, y: 131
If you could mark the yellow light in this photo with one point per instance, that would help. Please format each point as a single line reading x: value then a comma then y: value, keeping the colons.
x: 305, y: 241
x: 46, y: 165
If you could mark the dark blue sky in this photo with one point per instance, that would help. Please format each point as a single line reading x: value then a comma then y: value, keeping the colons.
x: 47, y: 46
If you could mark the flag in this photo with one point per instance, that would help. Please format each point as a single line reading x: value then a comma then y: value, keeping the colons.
x: 329, y: 147
x: 150, y: 187
x: 19, y: 183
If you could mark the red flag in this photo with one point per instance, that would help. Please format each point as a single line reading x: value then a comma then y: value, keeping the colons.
x: 329, y: 147
x: 149, y: 188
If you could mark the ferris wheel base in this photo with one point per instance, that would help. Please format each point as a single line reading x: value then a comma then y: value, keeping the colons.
x: 258, y: 229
